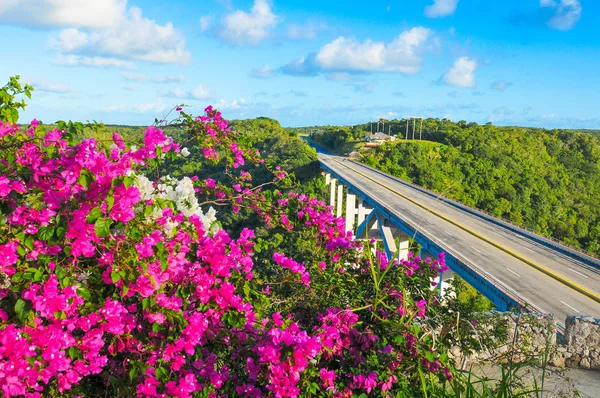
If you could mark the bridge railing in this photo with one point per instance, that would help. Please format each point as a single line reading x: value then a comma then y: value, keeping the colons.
x: 563, y: 247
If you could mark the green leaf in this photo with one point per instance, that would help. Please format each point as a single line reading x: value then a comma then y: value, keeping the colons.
x: 22, y: 309
x: 102, y: 228
x: 115, y: 277
x: 110, y: 201
x: 85, y: 180
x: 18, y: 277
x: 161, y: 373
x: 95, y: 214
x: 247, y: 290
x: 74, y: 353
x: 61, y: 232
x: 132, y: 373
x: 128, y: 181
x: 45, y: 233
x: 29, y: 242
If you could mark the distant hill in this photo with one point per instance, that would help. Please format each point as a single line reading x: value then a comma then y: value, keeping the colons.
x: 546, y: 180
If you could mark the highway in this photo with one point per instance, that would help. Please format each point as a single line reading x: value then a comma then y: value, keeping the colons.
x: 506, y: 255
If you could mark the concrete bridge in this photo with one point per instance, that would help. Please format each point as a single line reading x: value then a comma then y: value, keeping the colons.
x: 510, y: 266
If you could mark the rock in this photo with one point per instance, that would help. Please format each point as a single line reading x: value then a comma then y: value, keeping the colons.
x: 557, y: 360
x: 585, y: 363
x: 573, y: 361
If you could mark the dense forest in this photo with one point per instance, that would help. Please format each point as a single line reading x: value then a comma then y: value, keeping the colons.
x: 545, y: 180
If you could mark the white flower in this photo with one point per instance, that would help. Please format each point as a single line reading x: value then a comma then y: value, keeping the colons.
x: 185, y: 152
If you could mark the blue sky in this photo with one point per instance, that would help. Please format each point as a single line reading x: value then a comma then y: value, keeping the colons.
x: 524, y: 62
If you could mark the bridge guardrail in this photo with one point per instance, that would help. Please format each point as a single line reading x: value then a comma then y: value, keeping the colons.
x: 562, y: 247
x: 474, y: 267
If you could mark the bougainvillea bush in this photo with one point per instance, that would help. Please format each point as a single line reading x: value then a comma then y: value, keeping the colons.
x: 118, y: 281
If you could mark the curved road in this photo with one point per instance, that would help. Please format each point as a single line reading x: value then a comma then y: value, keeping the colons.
x: 532, y: 285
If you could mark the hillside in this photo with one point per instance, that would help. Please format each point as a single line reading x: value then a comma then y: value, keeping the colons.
x: 545, y: 180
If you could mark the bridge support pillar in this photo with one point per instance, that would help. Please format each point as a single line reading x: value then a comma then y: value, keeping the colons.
x: 403, y: 245
x: 368, y: 229
x: 333, y: 183
x: 444, y: 281
x: 350, y: 210
x: 361, y: 211
x: 340, y: 199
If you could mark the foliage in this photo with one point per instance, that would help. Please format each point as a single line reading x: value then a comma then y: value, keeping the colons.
x: 545, y: 180
x: 9, y: 106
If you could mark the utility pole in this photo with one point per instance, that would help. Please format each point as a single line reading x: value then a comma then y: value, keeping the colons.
x: 421, y: 129
x: 406, y: 129
x: 371, y: 128
x: 414, y: 125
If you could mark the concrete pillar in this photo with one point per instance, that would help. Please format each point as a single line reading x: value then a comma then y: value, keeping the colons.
x: 444, y: 280
x: 350, y: 210
x: 340, y: 199
x: 403, y: 245
x: 332, y: 192
x: 361, y: 211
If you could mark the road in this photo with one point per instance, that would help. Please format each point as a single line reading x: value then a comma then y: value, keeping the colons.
x: 529, y: 283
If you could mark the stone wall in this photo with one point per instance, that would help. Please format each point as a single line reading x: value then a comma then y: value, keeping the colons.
x: 530, y: 337
x: 580, y: 347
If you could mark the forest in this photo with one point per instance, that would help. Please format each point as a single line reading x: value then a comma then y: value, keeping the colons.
x: 545, y: 180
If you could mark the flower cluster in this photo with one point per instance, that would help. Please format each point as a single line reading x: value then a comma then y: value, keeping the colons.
x: 107, y: 275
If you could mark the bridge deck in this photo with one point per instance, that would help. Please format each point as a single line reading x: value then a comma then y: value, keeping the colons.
x: 532, y: 285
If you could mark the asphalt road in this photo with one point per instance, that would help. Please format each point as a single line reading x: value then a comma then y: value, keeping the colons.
x: 530, y: 284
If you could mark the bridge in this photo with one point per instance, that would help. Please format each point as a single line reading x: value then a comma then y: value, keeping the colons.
x: 510, y: 266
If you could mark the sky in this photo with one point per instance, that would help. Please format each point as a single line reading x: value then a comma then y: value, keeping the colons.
x: 306, y: 62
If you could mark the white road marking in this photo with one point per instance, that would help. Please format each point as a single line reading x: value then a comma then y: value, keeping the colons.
x: 448, y: 233
x: 574, y: 309
x: 510, y: 270
x: 494, y: 232
x: 529, y: 249
x: 578, y: 273
x: 478, y: 251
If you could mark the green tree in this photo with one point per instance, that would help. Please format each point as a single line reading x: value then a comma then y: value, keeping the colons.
x: 9, y: 103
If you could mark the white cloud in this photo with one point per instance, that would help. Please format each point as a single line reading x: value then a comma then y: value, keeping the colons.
x: 500, y: 85
x: 403, y: 54
x: 248, y: 28
x: 62, y: 13
x: 142, y: 77
x: 199, y: 93
x: 307, y: 31
x: 131, y: 37
x: 224, y: 105
x: 99, y: 28
x: 206, y: 22
x: 441, y: 8
x: 50, y: 87
x: 262, y: 73
x: 98, y: 62
x: 70, y: 39
x: 461, y: 74
x: 566, y: 15
x: 157, y: 106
